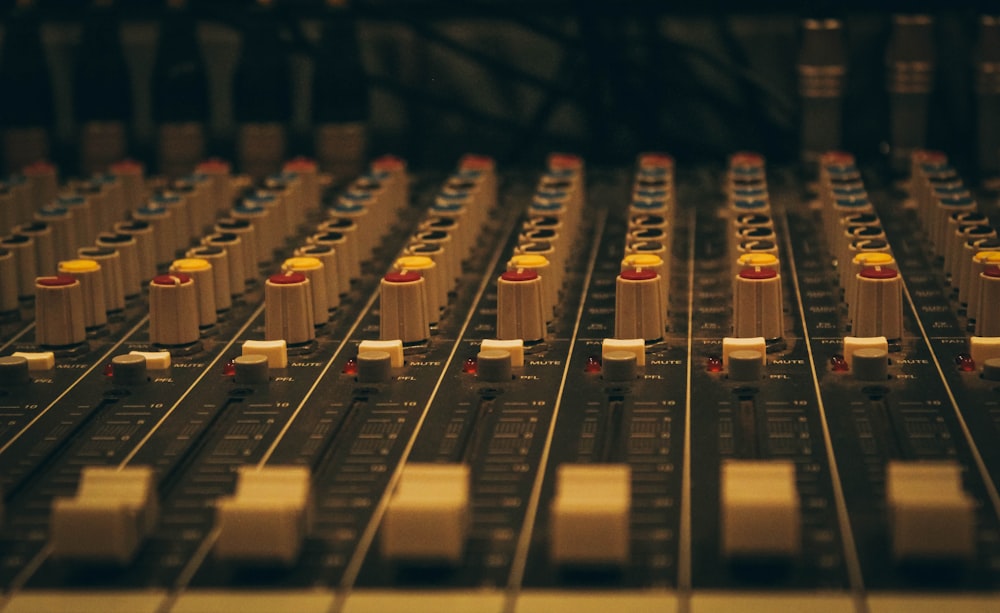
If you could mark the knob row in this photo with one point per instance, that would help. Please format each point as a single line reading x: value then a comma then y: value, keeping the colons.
x: 960, y: 236
x: 868, y: 274
x: 415, y: 293
x: 528, y: 291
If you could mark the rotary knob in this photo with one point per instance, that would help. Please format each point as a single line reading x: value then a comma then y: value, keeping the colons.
x: 201, y: 273
x: 288, y: 314
x: 128, y: 251
x: 879, y: 303
x: 23, y: 249
x: 326, y: 255
x: 173, y: 303
x: 59, y: 312
x: 758, y: 304
x: 436, y: 294
x: 8, y: 291
x: 988, y: 319
x: 111, y: 272
x: 639, y: 311
x: 403, y: 308
x: 312, y: 269
x: 551, y: 280
x: 520, y: 306
x: 238, y: 259
x: 88, y: 273
x: 221, y: 275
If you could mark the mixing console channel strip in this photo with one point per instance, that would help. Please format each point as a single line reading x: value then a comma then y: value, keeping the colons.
x: 647, y: 389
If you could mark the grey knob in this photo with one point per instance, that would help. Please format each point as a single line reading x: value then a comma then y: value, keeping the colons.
x: 870, y: 364
x: 128, y: 369
x: 250, y: 369
x: 14, y: 371
x: 619, y: 366
x: 991, y: 369
x: 746, y: 365
x: 59, y: 312
x: 374, y: 366
x: 494, y: 365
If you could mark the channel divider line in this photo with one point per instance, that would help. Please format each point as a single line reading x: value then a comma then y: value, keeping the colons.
x: 984, y: 474
x: 520, y: 559
x: 209, y: 368
x: 684, y: 589
x: 353, y: 567
x: 99, y: 361
x: 17, y: 336
x: 854, y: 575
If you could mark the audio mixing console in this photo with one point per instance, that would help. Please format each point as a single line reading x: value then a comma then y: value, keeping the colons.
x: 653, y: 389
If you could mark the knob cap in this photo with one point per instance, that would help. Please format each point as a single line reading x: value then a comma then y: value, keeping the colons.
x: 619, y: 366
x: 326, y: 255
x: 201, y: 273
x: 142, y: 232
x: 43, y: 238
x: 288, y: 314
x: 312, y: 269
x: 494, y: 365
x: 374, y: 366
x: 980, y: 262
x: 746, y: 365
x: 879, y: 308
x: 520, y: 306
x: 251, y: 369
x: 238, y: 259
x: 221, y: 275
x: 870, y: 364
x: 128, y: 369
x: 549, y: 274
x: 88, y: 273
x: 403, y: 308
x: 436, y: 294
x: 758, y: 304
x: 59, y: 311
x: 638, y: 310
x: 111, y: 273
x: 172, y: 305
x: 14, y: 371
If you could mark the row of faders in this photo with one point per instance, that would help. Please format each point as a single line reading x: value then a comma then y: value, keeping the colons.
x: 528, y: 291
x: 961, y: 237
x: 415, y: 293
x: 642, y: 287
